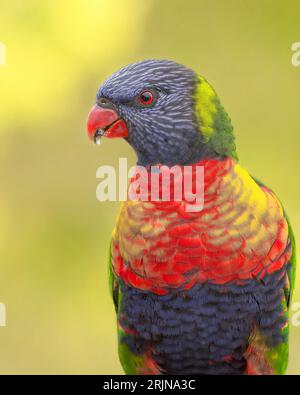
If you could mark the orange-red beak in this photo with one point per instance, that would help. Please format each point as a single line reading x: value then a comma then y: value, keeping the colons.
x: 105, y: 122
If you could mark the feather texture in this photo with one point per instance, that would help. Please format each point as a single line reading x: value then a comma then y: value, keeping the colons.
x: 204, y: 292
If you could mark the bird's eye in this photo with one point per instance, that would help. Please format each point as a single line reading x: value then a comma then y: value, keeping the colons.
x: 146, y: 98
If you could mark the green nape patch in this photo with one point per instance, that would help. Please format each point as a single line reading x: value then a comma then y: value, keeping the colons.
x: 205, y: 106
x: 214, y: 122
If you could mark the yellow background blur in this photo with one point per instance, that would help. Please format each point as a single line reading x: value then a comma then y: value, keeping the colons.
x: 54, y: 234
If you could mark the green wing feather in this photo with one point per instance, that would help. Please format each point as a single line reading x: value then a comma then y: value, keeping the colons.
x: 277, y: 357
x: 291, y: 270
x: 112, y: 281
x: 130, y: 362
x: 292, y: 264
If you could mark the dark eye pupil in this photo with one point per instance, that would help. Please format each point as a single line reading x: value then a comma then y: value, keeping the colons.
x: 146, y: 97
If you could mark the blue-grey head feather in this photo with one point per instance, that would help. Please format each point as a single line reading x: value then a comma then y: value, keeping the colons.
x: 167, y: 132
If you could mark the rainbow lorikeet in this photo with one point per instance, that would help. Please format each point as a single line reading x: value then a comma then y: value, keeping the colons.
x: 195, y: 292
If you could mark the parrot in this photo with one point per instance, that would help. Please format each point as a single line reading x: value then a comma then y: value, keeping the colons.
x: 208, y: 291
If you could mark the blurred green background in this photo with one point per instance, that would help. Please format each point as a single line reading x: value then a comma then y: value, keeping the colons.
x: 54, y: 234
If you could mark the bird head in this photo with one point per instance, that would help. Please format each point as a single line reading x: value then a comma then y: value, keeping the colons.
x: 165, y: 111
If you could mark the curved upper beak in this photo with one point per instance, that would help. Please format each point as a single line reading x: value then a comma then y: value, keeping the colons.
x: 105, y: 122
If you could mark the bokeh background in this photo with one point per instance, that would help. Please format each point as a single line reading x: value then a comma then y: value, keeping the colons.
x: 54, y: 234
